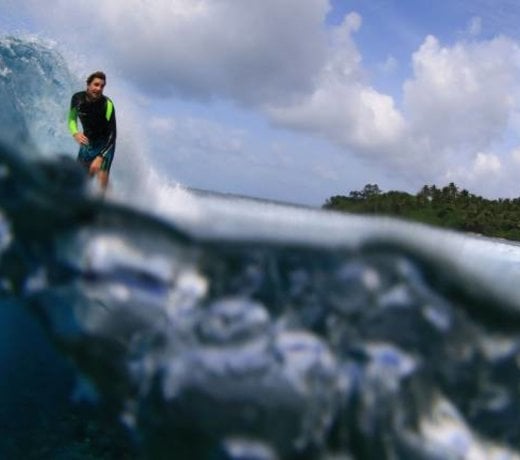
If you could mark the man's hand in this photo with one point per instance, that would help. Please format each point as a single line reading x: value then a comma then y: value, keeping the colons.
x: 81, y: 139
x: 95, y: 166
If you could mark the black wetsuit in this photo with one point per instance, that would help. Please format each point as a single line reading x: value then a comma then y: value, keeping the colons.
x: 98, y: 118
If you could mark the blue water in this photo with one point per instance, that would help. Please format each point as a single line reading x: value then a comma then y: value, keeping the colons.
x: 219, y: 327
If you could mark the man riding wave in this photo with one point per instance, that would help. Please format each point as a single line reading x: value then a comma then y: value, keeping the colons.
x: 98, y: 119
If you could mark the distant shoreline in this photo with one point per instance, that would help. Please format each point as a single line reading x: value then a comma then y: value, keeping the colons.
x: 446, y: 207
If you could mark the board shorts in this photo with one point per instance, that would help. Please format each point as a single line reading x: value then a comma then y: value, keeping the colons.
x: 87, y: 154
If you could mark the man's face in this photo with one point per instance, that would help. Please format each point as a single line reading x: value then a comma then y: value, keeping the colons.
x: 95, y: 88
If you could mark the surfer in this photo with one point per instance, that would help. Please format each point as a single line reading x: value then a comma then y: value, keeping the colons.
x: 98, y: 118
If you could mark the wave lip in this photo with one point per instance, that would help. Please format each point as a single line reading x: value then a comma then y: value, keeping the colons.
x: 35, y: 87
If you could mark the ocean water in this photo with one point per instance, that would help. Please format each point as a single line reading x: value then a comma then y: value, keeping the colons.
x: 220, y: 327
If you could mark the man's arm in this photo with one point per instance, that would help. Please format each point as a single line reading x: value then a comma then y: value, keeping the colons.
x: 112, y: 125
x: 73, y: 123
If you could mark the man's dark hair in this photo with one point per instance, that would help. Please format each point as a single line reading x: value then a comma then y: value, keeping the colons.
x: 98, y: 74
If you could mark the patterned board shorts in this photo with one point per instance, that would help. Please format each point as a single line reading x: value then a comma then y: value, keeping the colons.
x: 87, y: 153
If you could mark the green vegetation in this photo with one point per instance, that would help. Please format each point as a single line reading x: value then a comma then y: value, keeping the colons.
x: 447, y: 207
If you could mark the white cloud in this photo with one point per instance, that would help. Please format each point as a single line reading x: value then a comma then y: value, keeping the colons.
x: 462, y: 96
x: 247, y: 50
x: 460, y: 99
x: 490, y: 174
x: 515, y: 156
x: 484, y: 167
x: 483, y: 171
x: 342, y: 106
x: 485, y: 164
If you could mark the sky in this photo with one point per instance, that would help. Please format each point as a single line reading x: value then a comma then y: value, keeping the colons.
x: 300, y: 100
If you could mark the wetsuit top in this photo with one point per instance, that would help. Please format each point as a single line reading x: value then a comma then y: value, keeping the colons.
x: 98, y: 118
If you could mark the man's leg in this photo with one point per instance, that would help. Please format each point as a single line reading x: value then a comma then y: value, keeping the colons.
x: 104, y: 169
x: 103, y: 180
x: 84, y: 158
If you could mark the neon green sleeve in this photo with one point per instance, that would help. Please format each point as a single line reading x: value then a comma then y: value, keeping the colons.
x: 110, y: 109
x: 73, y: 121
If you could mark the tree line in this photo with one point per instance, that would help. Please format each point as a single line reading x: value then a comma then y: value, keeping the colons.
x: 448, y: 207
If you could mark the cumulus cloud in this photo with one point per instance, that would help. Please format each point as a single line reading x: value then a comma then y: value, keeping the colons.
x: 247, y: 50
x: 486, y: 164
x: 462, y: 96
x: 342, y: 107
x: 482, y: 166
x: 484, y: 171
x: 459, y: 101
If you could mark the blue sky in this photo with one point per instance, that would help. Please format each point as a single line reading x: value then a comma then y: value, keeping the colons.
x: 298, y: 100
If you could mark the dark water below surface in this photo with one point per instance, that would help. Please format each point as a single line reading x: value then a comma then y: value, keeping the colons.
x: 261, y: 332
